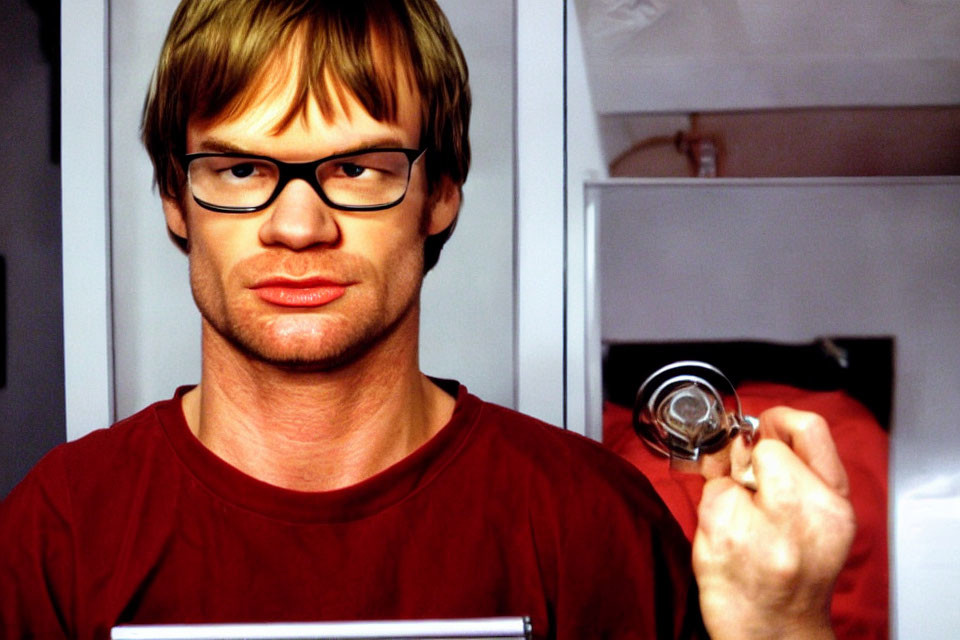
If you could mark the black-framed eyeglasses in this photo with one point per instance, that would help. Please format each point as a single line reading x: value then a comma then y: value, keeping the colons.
x: 368, y: 180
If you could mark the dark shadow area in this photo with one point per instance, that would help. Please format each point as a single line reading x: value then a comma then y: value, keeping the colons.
x: 862, y: 367
x: 32, y: 419
x: 48, y: 13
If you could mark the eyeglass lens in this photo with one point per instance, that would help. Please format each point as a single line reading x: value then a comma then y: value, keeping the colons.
x: 365, y: 179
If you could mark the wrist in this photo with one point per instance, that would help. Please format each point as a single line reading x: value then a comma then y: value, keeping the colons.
x: 808, y: 630
x: 774, y: 627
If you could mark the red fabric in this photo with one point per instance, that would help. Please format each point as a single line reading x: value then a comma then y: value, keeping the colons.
x: 860, y: 602
x: 497, y: 515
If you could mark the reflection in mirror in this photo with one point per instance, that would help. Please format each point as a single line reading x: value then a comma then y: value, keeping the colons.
x: 779, y: 262
x: 801, y: 118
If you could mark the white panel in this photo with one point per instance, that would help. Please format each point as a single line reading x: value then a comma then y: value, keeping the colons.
x: 777, y: 259
x: 792, y: 260
x: 540, y: 209
x: 86, y: 319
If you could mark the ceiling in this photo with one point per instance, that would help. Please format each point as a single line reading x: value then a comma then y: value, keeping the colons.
x: 695, y: 55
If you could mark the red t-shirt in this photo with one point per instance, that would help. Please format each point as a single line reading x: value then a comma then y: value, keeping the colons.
x: 498, y: 514
x: 860, y: 606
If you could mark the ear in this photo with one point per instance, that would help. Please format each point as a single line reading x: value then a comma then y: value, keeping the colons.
x: 444, y: 208
x: 176, y: 217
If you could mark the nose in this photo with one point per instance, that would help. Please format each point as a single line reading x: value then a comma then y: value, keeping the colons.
x: 299, y: 219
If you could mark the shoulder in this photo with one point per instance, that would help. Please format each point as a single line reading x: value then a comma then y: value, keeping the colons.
x: 578, y: 471
x: 67, y: 516
x: 604, y: 539
x: 545, y: 445
x: 119, y: 446
x: 101, y: 463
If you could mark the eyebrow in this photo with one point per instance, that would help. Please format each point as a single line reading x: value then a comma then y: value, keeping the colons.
x: 217, y: 145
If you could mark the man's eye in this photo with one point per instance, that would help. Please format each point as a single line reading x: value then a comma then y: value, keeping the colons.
x: 352, y: 170
x: 242, y: 170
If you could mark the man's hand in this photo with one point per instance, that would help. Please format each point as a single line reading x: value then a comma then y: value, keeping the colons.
x: 766, y: 561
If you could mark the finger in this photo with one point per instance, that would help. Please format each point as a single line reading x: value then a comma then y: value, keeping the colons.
x: 716, y: 464
x: 802, y: 505
x: 729, y: 526
x: 741, y: 468
x: 790, y: 493
x: 732, y: 460
x: 722, y: 504
x: 783, y: 480
x: 808, y: 435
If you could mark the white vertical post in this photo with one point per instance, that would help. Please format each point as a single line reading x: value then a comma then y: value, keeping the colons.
x: 591, y: 386
x: 540, y: 231
x: 584, y: 162
x: 86, y: 249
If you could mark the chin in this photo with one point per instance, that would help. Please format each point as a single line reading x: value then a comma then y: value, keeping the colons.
x: 307, y: 343
x: 302, y: 351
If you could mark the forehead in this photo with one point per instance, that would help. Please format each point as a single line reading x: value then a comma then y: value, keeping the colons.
x: 290, y: 91
x: 274, y: 110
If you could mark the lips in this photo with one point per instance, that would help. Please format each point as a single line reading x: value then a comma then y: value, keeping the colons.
x: 314, y: 292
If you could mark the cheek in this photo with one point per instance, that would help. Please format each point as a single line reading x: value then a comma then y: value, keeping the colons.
x: 393, y: 246
x: 206, y: 279
x: 224, y: 239
x: 214, y: 249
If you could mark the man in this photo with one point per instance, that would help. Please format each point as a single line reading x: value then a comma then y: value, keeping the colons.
x: 310, y: 156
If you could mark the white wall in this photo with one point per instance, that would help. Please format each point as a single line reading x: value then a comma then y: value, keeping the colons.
x: 156, y: 337
x: 468, y: 318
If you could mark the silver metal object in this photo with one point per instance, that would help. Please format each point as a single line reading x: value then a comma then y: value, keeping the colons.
x: 688, y: 409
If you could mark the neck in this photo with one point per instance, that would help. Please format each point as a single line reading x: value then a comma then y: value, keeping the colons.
x: 315, y: 431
